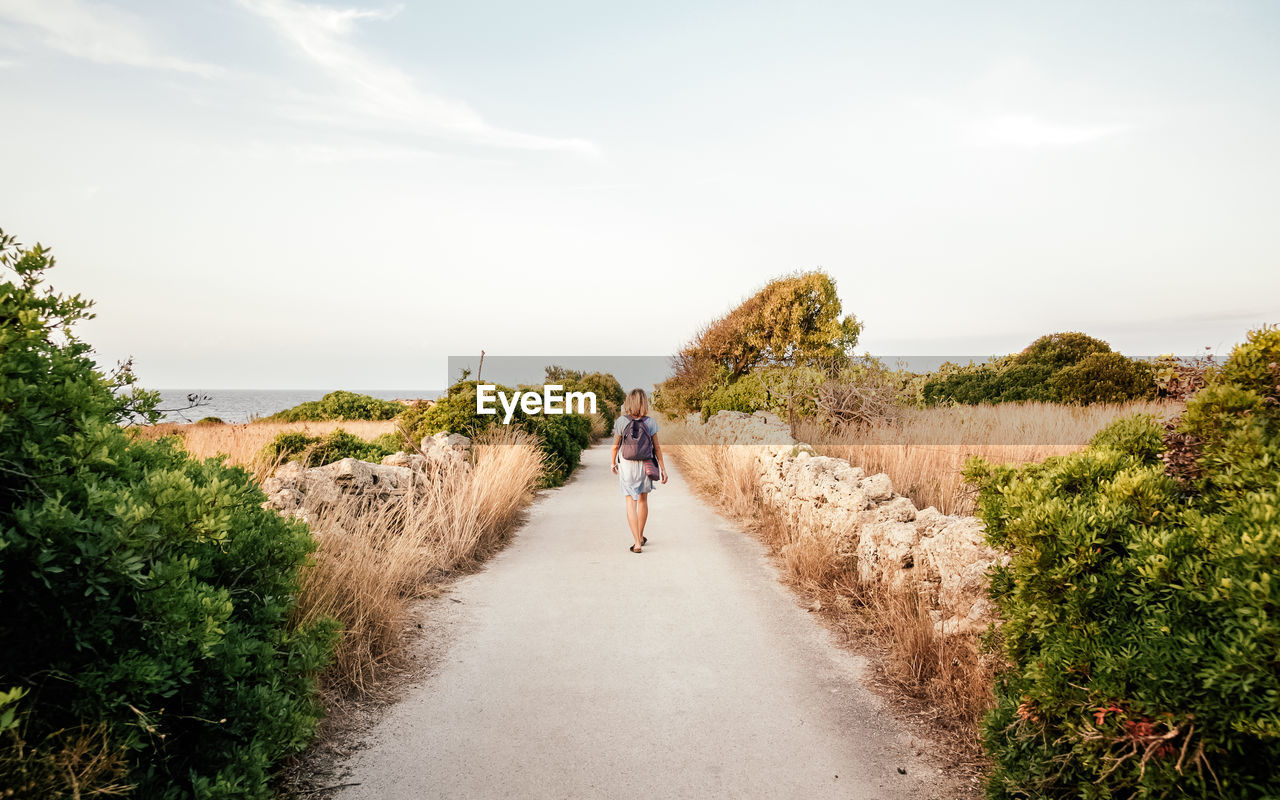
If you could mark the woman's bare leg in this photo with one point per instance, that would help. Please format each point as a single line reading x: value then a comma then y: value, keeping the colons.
x: 642, y: 516
x: 633, y: 520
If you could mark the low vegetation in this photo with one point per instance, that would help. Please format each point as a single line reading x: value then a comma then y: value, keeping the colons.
x: 148, y: 596
x: 1059, y: 368
x: 250, y: 445
x: 165, y: 635
x: 1139, y: 606
x: 788, y: 350
x: 370, y: 566
x: 562, y: 437
x: 1135, y: 650
x: 341, y: 406
x: 315, y: 451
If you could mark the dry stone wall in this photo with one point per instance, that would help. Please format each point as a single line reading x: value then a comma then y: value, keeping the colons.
x: 867, y: 524
x: 307, y: 493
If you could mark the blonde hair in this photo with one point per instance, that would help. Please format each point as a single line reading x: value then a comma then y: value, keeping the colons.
x: 636, y: 404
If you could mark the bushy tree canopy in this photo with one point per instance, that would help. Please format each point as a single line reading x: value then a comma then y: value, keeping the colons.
x: 794, y: 320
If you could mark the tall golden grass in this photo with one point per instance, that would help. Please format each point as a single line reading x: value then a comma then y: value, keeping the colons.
x: 243, y: 444
x: 924, y: 450
x: 370, y: 566
x: 924, y: 453
x: 949, y: 678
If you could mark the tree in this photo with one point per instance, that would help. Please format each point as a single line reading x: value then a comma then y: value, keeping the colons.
x: 794, y: 320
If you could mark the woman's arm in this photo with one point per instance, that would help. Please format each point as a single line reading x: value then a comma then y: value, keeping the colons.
x: 613, y: 454
x: 657, y: 453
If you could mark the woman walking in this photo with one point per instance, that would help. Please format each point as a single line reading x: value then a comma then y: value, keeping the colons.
x: 635, y: 434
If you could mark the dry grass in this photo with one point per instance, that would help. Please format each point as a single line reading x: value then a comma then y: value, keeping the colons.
x: 924, y: 451
x: 243, y: 444
x: 371, y: 565
x: 945, y: 679
x: 80, y: 762
x: 950, y: 676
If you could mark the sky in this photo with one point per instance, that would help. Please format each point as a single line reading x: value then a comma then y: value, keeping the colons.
x: 285, y: 194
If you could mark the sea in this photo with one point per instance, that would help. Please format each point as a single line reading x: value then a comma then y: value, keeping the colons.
x: 246, y: 405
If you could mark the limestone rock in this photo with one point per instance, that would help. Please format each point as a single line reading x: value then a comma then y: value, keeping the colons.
x: 877, y: 488
x: 886, y: 550
x: 306, y: 493
x: 414, y: 461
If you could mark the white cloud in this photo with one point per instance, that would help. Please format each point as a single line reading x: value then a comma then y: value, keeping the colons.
x: 372, y: 93
x: 96, y: 32
x: 1030, y: 131
x: 1014, y: 104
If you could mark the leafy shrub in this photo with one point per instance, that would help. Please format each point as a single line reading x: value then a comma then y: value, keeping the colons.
x: 1001, y: 381
x: 340, y: 405
x: 1060, y: 367
x: 1060, y: 350
x: 792, y: 390
x: 146, y: 595
x: 1179, y: 378
x: 563, y: 437
x: 455, y: 413
x: 608, y: 391
x: 802, y: 392
x: 1104, y: 378
x: 210, y: 421
x: 1140, y: 602
x: 747, y: 394
x: 316, y: 451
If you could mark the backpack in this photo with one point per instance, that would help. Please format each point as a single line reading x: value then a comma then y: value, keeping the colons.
x: 637, y: 442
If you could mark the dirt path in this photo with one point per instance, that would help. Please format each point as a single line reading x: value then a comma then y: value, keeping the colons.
x: 573, y: 668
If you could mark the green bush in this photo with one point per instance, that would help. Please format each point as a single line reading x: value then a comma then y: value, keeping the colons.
x: 316, y: 451
x: 563, y: 436
x: 1060, y: 367
x: 1060, y: 350
x: 146, y: 595
x: 609, y: 393
x: 793, y: 391
x: 210, y: 421
x: 455, y: 413
x: 1139, y: 605
x: 1104, y: 378
x: 746, y: 394
x: 340, y: 405
x: 999, y: 381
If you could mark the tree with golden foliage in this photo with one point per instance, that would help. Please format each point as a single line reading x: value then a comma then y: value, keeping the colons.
x: 795, y: 319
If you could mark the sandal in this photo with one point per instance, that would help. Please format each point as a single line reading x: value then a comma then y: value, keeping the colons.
x: 644, y: 540
x: 633, y: 549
